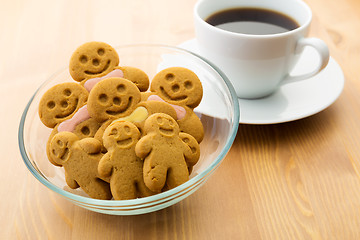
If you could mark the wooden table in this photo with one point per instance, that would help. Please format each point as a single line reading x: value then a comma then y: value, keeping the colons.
x: 296, y: 180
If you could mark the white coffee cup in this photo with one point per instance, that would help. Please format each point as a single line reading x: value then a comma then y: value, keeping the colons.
x: 257, y: 65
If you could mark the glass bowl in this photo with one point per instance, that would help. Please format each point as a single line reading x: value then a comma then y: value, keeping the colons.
x: 220, y: 122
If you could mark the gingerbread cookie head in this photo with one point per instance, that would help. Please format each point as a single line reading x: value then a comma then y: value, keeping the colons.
x: 137, y: 76
x: 162, y: 124
x: 61, y: 102
x: 179, y: 86
x: 121, y: 134
x: 87, y: 128
x: 194, y: 153
x: 92, y: 59
x: 113, y: 98
x: 59, y: 147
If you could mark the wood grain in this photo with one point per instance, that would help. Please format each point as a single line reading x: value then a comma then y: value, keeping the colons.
x: 297, y: 180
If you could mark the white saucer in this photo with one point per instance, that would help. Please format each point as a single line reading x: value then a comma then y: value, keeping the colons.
x: 294, y: 100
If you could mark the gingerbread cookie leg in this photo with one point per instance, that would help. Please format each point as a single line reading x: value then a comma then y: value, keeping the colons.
x: 178, y: 177
x: 71, y: 181
x: 143, y: 190
x: 192, y: 125
x: 154, y: 176
x: 98, y: 189
x: 122, y: 187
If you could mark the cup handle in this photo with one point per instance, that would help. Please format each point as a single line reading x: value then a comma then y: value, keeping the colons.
x: 323, y: 51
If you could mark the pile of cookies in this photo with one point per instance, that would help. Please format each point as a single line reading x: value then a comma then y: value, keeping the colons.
x: 115, y: 137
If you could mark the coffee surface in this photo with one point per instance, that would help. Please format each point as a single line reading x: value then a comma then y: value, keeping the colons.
x: 255, y: 21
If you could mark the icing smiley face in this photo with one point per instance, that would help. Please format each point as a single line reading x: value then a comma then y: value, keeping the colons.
x: 179, y: 86
x: 113, y: 98
x: 61, y: 102
x: 92, y: 59
x: 121, y: 134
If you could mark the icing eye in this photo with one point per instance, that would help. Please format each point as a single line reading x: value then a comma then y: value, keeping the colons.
x: 188, y: 85
x: 169, y: 76
x: 103, y: 98
x: 83, y: 59
x: 121, y: 88
x: 51, y: 104
x: 67, y: 92
x: 101, y: 51
x: 95, y: 62
x: 175, y: 87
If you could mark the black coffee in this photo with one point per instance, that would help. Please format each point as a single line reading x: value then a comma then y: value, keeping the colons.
x: 255, y: 21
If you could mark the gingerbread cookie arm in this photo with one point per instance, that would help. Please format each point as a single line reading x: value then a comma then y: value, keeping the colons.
x: 143, y: 189
x: 100, y: 132
x: 143, y: 147
x: 192, y: 125
x: 90, y: 145
x: 137, y: 76
x: 105, y: 167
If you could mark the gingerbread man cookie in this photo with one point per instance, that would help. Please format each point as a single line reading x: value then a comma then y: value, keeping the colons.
x: 165, y: 154
x: 112, y: 98
x: 80, y: 159
x: 180, y: 86
x: 91, y: 60
x: 61, y: 102
x: 120, y: 162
